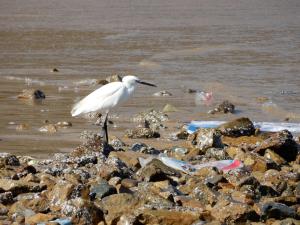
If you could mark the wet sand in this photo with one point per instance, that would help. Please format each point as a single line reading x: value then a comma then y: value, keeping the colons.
x: 235, y: 49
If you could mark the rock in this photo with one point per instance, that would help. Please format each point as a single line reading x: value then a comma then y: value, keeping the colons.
x: 275, y: 210
x: 164, y: 190
x: 182, y: 134
x: 129, y: 183
x: 114, y: 181
x: 238, y: 127
x: 81, y: 191
x: 125, y: 203
x: 54, y: 70
x: 24, y: 171
x: 6, y: 198
x: 187, y: 201
x: 262, y: 99
x: 239, y: 196
x: 235, y: 152
x: 143, y: 148
x: 102, y: 82
x: 168, y: 217
x: 242, y: 141
x: 28, y: 207
x: 113, y: 167
x: 60, y: 193
x: 206, y: 138
x: 212, y: 181
x: 32, y: 94
x: 49, y: 128
x: 156, y: 171
x: 195, y: 188
x: 3, y: 210
x: 169, y: 108
x: 224, y: 107
x: 113, y: 78
x: 288, y: 221
x: 130, y: 158
x: 116, y: 143
x: 12, y: 160
x: 255, y: 162
x: 82, y: 211
x: 297, y: 190
x: 154, y: 119
x: 281, y: 143
x: 39, y: 218
x: 271, y: 155
x: 232, y: 212
x: 101, y: 189
x: 63, y: 124
x: 141, y: 132
x: 163, y: 93
x: 22, y: 127
x: 217, y: 153
x: 121, y: 189
x: 190, y: 90
x: 18, y: 186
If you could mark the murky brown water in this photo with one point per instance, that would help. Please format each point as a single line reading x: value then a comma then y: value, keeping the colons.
x: 240, y: 50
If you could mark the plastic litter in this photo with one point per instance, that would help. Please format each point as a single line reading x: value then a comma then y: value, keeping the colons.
x: 59, y: 221
x: 263, y: 126
x: 203, y: 98
x: 224, y: 165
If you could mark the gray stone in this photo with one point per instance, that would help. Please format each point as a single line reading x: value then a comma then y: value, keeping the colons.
x: 102, y: 189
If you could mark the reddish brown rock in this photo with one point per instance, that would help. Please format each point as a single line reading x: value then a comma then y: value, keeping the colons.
x: 281, y: 143
x: 38, y: 218
x: 168, y: 217
x: 117, y: 205
x: 238, y: 127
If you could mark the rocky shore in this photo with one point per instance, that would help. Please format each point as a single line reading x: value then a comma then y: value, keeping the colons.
x: 92, y: 186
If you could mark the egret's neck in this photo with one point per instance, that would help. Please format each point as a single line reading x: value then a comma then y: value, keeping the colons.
x: 130, y: 87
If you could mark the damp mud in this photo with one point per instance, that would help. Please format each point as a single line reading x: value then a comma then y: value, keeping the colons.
x: 242, y: 53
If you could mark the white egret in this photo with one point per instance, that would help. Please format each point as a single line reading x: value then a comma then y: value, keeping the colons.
x: 107, y: 97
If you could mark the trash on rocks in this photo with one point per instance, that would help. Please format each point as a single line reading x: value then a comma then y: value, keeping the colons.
x: 59, y: 221
x: 224, y: 165
x: 263, y: 126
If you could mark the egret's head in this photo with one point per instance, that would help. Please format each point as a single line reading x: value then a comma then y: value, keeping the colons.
x: 133, y: 80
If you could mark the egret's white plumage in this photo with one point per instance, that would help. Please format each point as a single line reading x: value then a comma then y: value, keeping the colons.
x: 107, y: 96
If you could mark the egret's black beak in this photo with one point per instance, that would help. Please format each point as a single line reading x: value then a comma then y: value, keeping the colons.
x: 145, y: 83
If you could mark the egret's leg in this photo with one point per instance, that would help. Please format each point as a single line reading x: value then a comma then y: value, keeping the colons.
x: 105, y: 128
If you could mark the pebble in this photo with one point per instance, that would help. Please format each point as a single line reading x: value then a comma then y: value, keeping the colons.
x: 49, y: 128
x: 32, y: 94
x: 169, y: 108
x: 163, y: 93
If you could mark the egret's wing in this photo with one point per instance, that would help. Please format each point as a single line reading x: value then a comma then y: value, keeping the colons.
x: 95, y: 100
